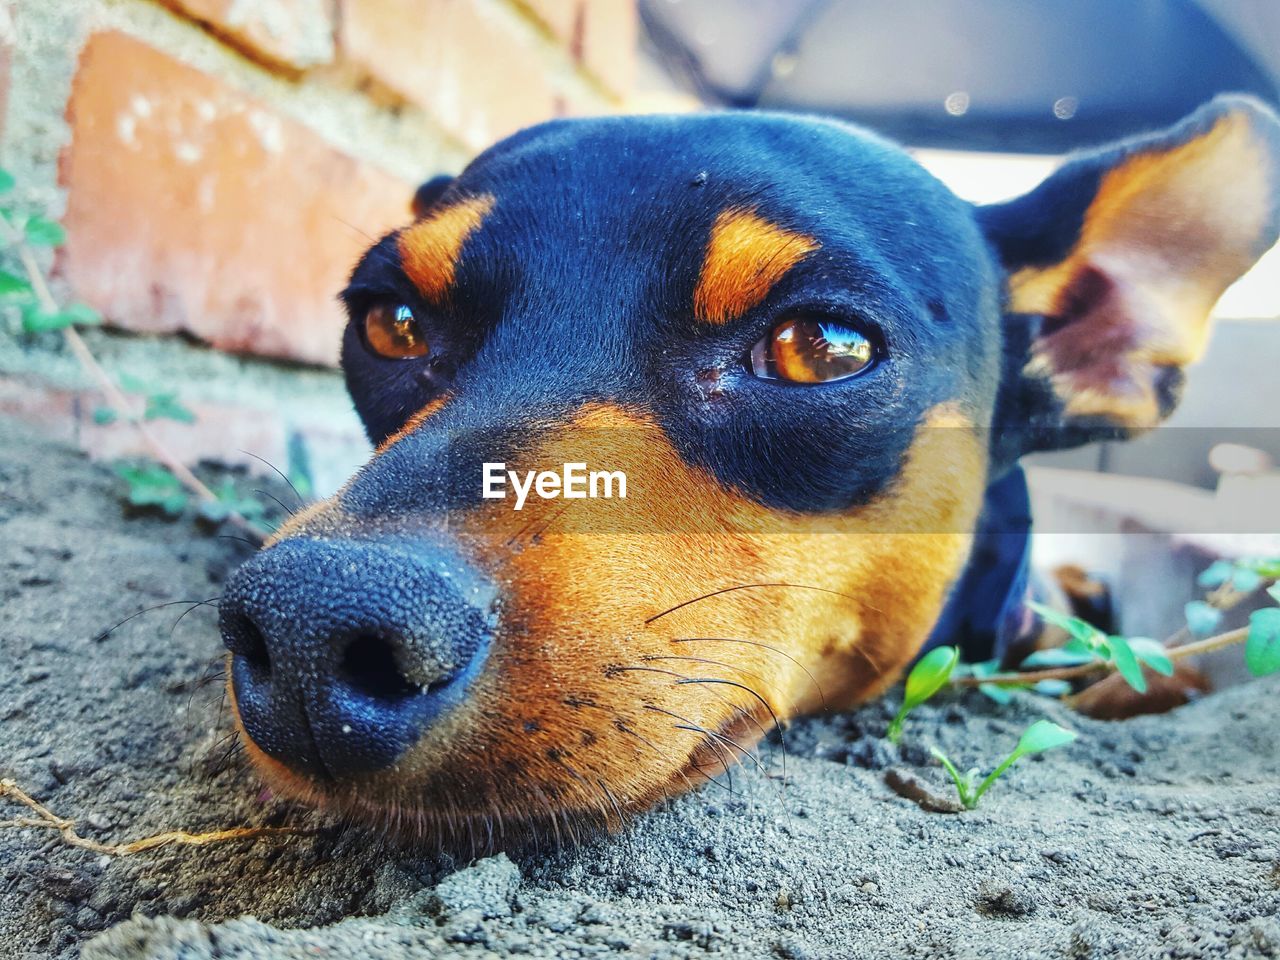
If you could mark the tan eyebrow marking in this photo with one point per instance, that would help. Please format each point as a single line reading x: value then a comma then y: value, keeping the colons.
x: 745, y: 257
x: 430, y: 249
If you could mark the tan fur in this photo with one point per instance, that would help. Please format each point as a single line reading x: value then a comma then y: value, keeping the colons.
x: 745, y: 257
x: 431, y: 248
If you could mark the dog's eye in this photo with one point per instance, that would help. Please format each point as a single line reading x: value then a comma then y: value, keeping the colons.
x: 393, y: 332
x: 808, y: 349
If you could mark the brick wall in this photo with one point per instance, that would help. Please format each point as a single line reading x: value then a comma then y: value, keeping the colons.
x: 220, y: 164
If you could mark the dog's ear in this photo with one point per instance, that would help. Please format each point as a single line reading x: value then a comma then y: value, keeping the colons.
x: 428, y: 194
x: 1114, y: 264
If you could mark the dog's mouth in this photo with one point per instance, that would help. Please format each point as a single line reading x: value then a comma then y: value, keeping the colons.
x: 545, y: 794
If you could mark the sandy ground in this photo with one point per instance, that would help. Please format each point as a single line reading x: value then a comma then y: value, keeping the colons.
x: 1158, y: 837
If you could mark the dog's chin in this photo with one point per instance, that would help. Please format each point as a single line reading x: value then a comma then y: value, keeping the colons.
x: 449, y: 825
x: 442, y: 824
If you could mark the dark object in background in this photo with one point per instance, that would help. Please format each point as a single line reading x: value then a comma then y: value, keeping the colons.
x: 1010, y: 75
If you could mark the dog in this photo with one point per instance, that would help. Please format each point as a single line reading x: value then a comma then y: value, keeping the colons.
x: 816, y: 369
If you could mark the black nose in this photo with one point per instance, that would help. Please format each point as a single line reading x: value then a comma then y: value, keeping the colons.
x: 343, y: 652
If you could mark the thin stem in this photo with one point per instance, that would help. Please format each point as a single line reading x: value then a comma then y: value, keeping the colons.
x: 994, y: 775
x: 115, y: 397
x: 1070, y: 673
x: 962, y: 784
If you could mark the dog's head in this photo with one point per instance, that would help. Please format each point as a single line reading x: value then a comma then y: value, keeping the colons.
x: 808, y: 359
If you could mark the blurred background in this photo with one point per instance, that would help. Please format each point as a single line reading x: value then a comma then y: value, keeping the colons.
x: 220, y: 164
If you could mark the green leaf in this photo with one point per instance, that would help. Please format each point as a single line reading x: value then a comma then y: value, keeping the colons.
x: 1245, y: 580
x: 1052, y: 688
x: 14, y: 288
x: 1216, y: 574
x: 1057, y: 657
x: 166, y: 406
x: 1152, y: 653
x: 104, y: 415
x: 1074, y: 626
x: 84, y: 315
x: 929, y: 675
x: 1262, y: 648
x: 35, y: 320
x: 926, y: 678
x: 43, y: 232
x: 1040, y: 736
x: 7, y: 182
x: 983, y: 668
x: 1266, y: 567
x: 999, y: 693
x: 1127, y: 663
x: 154, y: 486
x: 1043, y: 735
x: 131, y: 384
x: 1202, y: 618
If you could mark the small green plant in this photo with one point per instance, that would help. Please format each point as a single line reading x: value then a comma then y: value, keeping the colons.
x: 1088, y: 644
x: 1089, y: 650
x: 167, y: 483
x: 1040, y: 736
x: 927, y: 677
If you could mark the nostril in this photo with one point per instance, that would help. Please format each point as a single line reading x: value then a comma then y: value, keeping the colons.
x: 369, y: 666
x: 244, y: 639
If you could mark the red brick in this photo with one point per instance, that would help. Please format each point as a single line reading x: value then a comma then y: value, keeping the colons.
x: 453, y: 58
x: 296, y: 34
x: 192, y: 207
x: 601, y: 35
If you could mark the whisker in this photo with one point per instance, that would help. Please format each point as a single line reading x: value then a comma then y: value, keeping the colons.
x: 352, y: 227
x: 763, y: 646
x: 623, y: 728
x: 211, y: 602
x: 302, y: 501
x: 681, y: 678
x: 289, y: 512
x: 763, y: 702
x: 715, y: 663
x: 747, y: 586
x: 687, y: 724
x: 158, y: 606
x: 720, y: 751
x: 232, y: 536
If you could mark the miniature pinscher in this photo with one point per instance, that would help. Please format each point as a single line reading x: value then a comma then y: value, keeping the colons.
x: 816, y: 369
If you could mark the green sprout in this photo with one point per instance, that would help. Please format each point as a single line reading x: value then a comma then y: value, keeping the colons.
x: 926, y: 678
x: 1040, y: 736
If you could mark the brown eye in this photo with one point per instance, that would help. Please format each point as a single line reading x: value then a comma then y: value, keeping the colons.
x: 811, y: 350
x: 393, y: 332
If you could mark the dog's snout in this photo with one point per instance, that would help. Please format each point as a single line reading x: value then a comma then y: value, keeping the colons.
x: 344, y: 652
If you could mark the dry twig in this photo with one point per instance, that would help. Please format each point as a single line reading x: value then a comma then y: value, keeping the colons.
x: 48, y: 819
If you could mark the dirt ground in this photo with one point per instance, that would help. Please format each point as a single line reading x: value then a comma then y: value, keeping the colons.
x: 1158, y: 837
